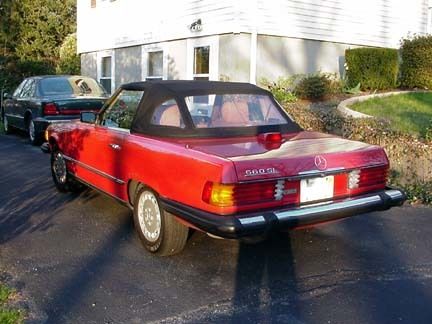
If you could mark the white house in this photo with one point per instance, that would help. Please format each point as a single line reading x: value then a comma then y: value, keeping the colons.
x: 244, y: 40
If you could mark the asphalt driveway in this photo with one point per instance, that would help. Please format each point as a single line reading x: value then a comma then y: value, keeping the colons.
x: 77, y: 259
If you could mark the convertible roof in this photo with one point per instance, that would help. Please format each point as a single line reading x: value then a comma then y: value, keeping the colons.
x: 189, y: 87
x: 157, y: 92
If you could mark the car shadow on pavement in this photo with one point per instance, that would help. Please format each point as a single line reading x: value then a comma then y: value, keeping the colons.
x: 382, y: 255
x: 22, y: 206
x: 69, y: 293
x: 262, y: 270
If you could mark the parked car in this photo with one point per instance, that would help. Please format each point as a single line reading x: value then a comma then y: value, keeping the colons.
x: 41, y: 100
x: 223, y: 158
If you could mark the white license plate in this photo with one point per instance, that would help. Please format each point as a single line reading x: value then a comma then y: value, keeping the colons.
x: 316, y: 189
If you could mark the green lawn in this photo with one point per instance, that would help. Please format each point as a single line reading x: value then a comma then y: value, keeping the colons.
x: 410, y: 113
x: 8, y: 315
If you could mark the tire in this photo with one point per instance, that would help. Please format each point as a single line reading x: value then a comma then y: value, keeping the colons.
x: 6, y: 126
x: 63, y: 180
x: 158, y: 230
x: 34, y: 138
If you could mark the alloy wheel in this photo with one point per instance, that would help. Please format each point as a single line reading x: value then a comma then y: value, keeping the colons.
x: 32, y: 131
x: 59, y: 168
x: 149, y: 216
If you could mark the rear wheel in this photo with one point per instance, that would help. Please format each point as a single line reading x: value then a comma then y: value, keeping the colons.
x: 158, y: 230
x: 33, y: 136
x: 63, y: 180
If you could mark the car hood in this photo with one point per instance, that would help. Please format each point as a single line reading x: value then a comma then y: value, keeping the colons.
x: 298, y: 153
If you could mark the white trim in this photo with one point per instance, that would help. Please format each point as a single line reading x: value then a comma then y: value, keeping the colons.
x: 157, y: 47
x: 100, y: 55
x: 253, y: 57
x: 213, y: 42
x: 429, y: 19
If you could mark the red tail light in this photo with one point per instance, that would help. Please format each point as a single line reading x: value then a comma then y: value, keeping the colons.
x: 270, y: 137
x: 228, y: 195
x: 50, y: 109
x: 368, y: 179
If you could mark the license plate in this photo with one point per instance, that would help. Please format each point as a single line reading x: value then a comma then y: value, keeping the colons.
x: 316, y: 189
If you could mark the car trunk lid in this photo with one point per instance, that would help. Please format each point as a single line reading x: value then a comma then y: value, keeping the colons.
x: 299, y: 154
x: 74, y: 105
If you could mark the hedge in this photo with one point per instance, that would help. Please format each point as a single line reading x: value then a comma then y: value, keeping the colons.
x: 372, y: 68
x: 416, y: 67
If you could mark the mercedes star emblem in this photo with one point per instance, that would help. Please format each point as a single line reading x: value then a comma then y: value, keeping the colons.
x: 320, y: 162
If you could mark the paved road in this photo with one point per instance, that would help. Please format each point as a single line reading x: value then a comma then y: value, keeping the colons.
x: 77, y: 260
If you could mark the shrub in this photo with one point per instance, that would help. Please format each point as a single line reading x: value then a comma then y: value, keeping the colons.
x: 282, y: 88
x: 316, y: 86
x: 373, y: 68
x: 416, y: 66
x: 14, y: 70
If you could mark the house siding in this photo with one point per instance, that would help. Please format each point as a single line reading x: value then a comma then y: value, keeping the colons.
x: 282, y: 56
x: 89, y: 65
x: 367, y: 22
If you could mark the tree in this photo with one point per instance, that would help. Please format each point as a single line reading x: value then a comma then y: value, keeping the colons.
x: 31, y: 33
x: 43, y: 25
x: 69, y: 62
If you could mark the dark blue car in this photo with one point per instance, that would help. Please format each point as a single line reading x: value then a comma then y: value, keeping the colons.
x: 41, y: 100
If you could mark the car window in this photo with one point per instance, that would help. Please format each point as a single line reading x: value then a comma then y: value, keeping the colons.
x: 168, y: 114
x: 74, y: 85
x: 233, y: 110
x: 28, y: 89
x: 18, y: 90
x: 122, y: 110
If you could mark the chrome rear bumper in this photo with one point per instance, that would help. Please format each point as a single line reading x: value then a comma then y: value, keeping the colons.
x: 237, y: 226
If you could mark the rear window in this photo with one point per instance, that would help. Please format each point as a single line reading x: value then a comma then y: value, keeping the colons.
x: 233, y: 110
x: 79, y: 86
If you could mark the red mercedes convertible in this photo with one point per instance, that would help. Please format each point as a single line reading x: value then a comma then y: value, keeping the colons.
x: 223, y: 158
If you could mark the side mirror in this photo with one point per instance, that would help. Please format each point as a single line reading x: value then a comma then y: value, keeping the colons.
x: 88, y: 117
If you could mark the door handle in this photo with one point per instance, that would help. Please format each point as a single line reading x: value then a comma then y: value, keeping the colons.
x: 115, y: 146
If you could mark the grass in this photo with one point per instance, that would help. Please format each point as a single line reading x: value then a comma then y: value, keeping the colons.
x: 409, y: 113
x: 7, y: 314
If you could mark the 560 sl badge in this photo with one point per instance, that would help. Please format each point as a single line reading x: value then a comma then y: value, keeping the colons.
x: 258, y: 172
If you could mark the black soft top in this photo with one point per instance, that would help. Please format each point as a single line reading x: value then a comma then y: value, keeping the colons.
x: 190, y: 88
x: 157, y: 92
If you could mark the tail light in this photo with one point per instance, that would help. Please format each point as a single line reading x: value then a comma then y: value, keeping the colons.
x: 373, y: 177
x: 367, y: 179
x: 284, y: 192
x: 353, y: 179
x: 50, y: 109
x: 265, y: 193
x: 228, y: 195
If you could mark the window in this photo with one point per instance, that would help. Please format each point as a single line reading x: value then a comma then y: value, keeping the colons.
x: 201, y: 67
x: 81, y: 86
x: 155, y: 66
x: 18, y: 90
x: 29, y: 89
x: 168, y: 114
x: 122, y: 110
x: 233, y: 110
x: 106, y: 78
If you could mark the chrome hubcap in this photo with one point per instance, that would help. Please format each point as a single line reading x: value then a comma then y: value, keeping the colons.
x: 59, y: 168
x: 31, y: 130
x: 149, y: 216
